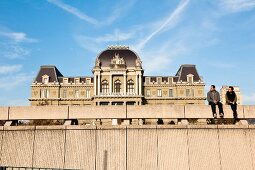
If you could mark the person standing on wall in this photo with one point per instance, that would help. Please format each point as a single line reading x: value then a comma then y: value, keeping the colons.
x: 213, y: 97
x: 231, y: 99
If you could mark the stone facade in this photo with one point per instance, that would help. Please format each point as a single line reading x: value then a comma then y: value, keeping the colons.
x: 118, y: 79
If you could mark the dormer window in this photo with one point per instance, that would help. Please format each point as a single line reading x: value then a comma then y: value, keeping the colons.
x: 45, y: 79
x: 190, y: 78
x: 88, y: 80
x: 65, y: 81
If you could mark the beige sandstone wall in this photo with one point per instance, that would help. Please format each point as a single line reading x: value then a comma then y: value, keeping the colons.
x: 132, y: 147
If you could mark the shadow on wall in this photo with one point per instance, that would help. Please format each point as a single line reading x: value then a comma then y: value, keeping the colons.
x: 105, y: 160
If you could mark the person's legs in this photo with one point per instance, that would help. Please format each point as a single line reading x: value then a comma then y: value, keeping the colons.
x: 213, y: 106
x: 234, y: 109
x: 220, y: 109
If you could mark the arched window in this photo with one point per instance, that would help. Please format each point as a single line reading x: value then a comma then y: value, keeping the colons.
x: 117, y: 85
x: 130, y: 86
x: 105, y: 86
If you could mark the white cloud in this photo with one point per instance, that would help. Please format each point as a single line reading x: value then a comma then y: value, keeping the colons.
x: 74, y: 11
x: 6, y: 69
x: 12, y: 81
x: 12, y: 50
x: 118, y: 11
x: 169, y: 22
x: 96, y: 44
x: 116, y: 36
x: 158, y: 60
x: 17, y: 36
x: 237, y: 5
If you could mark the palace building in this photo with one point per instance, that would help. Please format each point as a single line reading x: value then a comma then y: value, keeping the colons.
x: 118, y: 79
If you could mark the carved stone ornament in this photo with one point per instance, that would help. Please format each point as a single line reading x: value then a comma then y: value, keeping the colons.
x: 138, y: 63
x: 97, y: 63
x: 118, y: 61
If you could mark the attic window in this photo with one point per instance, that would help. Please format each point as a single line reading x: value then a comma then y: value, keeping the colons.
x: 45, y: 79
x: 88, y: 80
x: 147, y: 80
x: 190, y: 78
x: 170, y: 80
x: 65, y: 80
x: 159, y: 80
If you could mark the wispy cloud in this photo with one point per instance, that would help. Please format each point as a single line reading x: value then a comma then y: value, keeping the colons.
x: 12, y: 43
x: 158, y: 59
x: 118, y: 11
x: 96, y: 44
x: 74, y: 11
x: 6, y: 69
x: 16, y: 36
x: 169, y: 22
x: 12, y: 81
x: 237, y: 5
x: 13, y: 50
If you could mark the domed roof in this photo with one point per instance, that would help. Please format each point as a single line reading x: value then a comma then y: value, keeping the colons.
x: 129, y: 56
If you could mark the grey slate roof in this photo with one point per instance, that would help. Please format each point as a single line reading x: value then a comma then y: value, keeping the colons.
x: 129, y: 56
x: 181, y: 74
x: 49, y: 70
x: 185, y: 70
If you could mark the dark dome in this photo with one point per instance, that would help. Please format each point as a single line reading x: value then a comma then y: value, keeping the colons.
x: 129, y: 56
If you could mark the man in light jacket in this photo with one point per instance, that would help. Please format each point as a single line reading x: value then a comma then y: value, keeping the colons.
x: 213, y: 97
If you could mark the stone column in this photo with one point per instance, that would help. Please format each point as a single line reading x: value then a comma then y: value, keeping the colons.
x: 125, y: 84
x: 95, y: 85
x: 140, y: 84
x: 99, y: 84
x: 136, y: 85
x: 110, y: 85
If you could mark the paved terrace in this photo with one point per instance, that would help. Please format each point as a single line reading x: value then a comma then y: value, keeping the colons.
x: 126, y: 147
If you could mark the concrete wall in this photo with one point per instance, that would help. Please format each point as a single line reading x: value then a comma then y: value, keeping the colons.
x: 119, y: 112
x: 129, y: 147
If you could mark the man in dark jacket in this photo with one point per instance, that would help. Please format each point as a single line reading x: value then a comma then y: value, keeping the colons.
x: 213, y: 97
x: 231, y: 100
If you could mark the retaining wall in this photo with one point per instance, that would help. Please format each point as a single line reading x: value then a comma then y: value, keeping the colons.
x: 129, y: 147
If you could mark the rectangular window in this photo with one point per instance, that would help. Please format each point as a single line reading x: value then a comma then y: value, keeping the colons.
x: 87, y: 93
x: 170, y: 80
x: 76, y: 93
x: 187, y: 92
x: 147, y: 80
x: 88, y: 81
x: 192, y: 92
x: 64, y: 93
x: 159, y: 93
x: 44, y: 93
x: 65, y: 80
x: 190, y: 80
x: 171, y: 93
x: 159, y: 80
x: 45, y: 80
x: 148, y: 93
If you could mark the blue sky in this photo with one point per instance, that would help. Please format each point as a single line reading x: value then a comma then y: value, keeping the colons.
x: 216, y: 35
